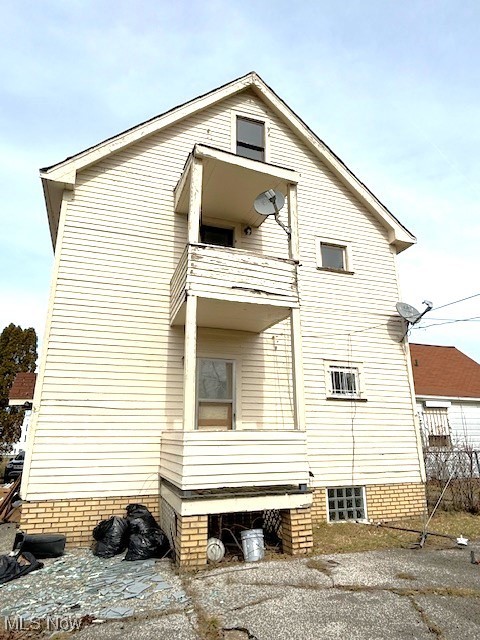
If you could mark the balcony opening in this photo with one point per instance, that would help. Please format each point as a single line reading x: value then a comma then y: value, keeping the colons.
x: 215, y: 395
x: 218, y: 236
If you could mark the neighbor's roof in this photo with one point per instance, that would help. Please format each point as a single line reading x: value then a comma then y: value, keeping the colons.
x: 444, y: 371
x: 62, y: 175
x: 23, y: 386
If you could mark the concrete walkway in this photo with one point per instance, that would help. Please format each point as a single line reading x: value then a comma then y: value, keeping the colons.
x: 381, y: 595
x: 378, y: 595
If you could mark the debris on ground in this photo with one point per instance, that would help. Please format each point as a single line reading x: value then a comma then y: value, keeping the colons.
x: 80, y: 584
x: 12, y: 567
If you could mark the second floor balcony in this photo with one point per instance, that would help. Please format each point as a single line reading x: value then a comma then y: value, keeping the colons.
x: 236, y: 289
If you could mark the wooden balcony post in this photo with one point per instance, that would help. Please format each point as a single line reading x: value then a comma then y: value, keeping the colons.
x: 297, y: 369
x: 293, y: 245
x: 190, y: 364
x: 195, y: 202
x: 190, y: 352
x: 295, y: 321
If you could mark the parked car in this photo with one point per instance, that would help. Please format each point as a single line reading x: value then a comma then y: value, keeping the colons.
x: 14, y: 468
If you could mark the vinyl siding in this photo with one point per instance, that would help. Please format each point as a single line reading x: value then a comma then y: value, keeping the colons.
x: 209, y: 459
x: 464, y: 421
x: 113, y: 367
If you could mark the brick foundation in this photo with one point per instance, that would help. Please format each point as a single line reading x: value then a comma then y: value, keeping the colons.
x: 319, y: 505
x: 383, y: 501
x: 296, y: 532
x: 394, y: 501
x: 77, y: 518
x: 191, y: 541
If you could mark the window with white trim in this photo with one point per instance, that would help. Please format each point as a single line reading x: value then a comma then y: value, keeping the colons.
x: 346, y: 503
x: 215, y: 394
x: 334, y: 255
x: 250, y: 138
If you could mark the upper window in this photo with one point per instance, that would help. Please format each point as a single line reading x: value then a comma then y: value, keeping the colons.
x: 250, y: 138
x: 334, y: 255
x: 344, y: 380
x: 219, y: 236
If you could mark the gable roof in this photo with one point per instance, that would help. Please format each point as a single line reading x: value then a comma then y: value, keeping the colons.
x: 23, y: 386
x: 444, y: 371
x: 62, y: 175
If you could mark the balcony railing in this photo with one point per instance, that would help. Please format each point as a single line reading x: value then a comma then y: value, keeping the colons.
x: 217, y: 459
x: 237, y: 289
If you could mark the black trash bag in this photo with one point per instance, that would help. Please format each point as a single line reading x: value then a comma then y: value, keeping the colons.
x: 146, y: 539
x: 111, y: 537
x: 140, y: 511
x: 12, y: 567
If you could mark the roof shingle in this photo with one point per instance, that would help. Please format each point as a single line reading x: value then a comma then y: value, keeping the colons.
x: 23, y: 386
x: 444, y: 371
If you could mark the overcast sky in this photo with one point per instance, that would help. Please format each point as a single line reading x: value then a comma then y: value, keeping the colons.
x: 392, y: 87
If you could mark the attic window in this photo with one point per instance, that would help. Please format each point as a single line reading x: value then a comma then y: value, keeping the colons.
x: 250, y: 139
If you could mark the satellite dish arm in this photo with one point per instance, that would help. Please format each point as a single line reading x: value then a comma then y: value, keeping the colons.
x: 273, y: 200
x: 428, y: 308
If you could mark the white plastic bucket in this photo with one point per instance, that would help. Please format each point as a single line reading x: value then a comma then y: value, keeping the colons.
x: 252, y: 544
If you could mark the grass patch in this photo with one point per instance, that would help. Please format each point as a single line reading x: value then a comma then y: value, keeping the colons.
x: 349, y: 537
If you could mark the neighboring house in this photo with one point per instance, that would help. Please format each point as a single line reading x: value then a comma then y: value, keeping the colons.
x: 200, y: 360
x: 21, y: 397
x: 447, y: 389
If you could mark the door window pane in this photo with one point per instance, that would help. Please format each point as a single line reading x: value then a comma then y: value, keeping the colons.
x: 215, y: 380
x: 215, y: 401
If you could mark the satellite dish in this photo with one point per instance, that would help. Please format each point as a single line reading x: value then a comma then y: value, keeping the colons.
x: 412, y: 315
x: 269, y: 203
x: 408, y: 313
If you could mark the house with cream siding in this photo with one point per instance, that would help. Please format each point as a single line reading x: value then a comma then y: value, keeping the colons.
x: 206, y: 360
x: 20, y: 398
x: 447, y: 390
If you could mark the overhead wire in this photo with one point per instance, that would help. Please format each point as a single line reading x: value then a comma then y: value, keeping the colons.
x: 449, y: 304
x: 439, y: 324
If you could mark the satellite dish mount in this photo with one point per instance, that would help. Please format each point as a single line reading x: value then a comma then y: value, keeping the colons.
x: 411, y: 315
x: 270, y: 203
